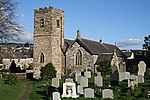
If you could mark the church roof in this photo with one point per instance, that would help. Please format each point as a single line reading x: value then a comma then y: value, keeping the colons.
x: 95, y: 47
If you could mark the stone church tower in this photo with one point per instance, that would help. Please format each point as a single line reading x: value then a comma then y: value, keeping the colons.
x: 48, y: 38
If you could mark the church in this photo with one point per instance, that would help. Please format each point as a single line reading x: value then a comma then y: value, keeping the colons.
x: 65, y: 54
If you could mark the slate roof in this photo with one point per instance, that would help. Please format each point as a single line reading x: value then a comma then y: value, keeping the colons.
x: 11, y: 55
x: 95, y: 47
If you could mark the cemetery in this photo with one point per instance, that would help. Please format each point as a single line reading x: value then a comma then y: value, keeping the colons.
x: 96, y: 86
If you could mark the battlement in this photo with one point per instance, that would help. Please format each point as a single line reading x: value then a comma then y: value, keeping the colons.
x: 50, y: 8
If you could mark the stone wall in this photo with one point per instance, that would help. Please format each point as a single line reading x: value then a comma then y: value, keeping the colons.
x: 87, y: 59
x: 48, y: 39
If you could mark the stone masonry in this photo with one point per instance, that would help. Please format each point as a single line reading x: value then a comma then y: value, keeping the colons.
x: 48, y: 38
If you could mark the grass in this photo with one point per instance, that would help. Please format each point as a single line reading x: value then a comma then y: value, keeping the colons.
x: 36, y: 91
x: 10, y: 92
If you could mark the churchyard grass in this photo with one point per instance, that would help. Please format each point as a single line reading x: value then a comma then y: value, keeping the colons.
x: 11, y: 92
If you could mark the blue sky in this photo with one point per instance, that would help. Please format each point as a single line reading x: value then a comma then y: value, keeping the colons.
x: 125, y: 22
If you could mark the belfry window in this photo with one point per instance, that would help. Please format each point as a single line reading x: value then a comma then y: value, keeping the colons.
x: 58, y: 23
x: 42, y: 58
x: 78, y: 59
x: 42, y: 22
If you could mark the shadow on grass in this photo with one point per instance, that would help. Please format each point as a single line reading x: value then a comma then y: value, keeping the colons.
x: 44, y: 96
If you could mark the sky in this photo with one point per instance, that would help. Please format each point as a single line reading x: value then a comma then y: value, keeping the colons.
x: 124, y: 22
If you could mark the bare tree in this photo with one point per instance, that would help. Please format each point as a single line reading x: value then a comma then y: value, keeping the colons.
x: 8, y: 27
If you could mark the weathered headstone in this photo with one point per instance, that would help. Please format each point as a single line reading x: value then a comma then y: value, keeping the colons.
x: 56, y: 96
x: 84, y: 81
x: 78, y: 73
x: 99, y: 74
x: 58, y: 75
x: 140, y: 79
x: 107, y: 93
x: 141, y: 68
x: 98, y: 80
x: 55, y: 82
x: 114, y: 78
x: 79, y: 78
x: 89, y: 93
x: 87, y: 74
x: 1, y: 76
x: 80, y: 89
x: 124, y: 76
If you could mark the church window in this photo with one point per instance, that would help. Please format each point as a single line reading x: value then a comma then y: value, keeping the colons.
x: 58, y: 23
x: 78, y: 59
x: 42, y: 58
x: 42, y: 22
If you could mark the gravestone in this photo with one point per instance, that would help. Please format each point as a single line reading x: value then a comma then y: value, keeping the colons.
x: 69, y: 89
x: 124, y: 76
x: 78, y: 73
x: 58, y: 75
x: 89, y: 93
x: 55, y: 82
x: 98, y: 80
x: 46, y: 89
x: 140, y: 79
x: 98, y: 73
x: 79, y: 78
x: 107, y: 93
x: 114, y: 78
x: 80, y: 89
x: 84, y: 81
x: 87, y: 74
x: 56, y: 96
x: 1, y: 76
x: 141, y: 68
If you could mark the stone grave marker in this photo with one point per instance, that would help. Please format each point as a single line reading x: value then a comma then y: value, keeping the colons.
x: 98, y: 73
x: 87, y: 74
x: 107, y: 93
x: 98, y: 80
x: 58, y: 75
x: 140, y: 79
x: 124, y: 76
x: 79, y: 78
x: 1, y: 76
x: 84, y: 81
x: 78, y: 73
x: 55, y: 82
x: 69, y: 88
x: 56, y: 96
x: 114, y: 78
x: 141, y: 68
x: 89, y: 93
x: 80, y: 89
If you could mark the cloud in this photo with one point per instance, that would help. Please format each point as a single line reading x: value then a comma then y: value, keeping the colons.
x: 130, y: 42
x: 25, y: 37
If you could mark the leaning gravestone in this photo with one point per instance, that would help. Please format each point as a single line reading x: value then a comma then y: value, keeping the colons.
x: 98, y: 80
x: 141, y: 68
x: 84, y: 81
x: 56, y: 96
x: 80, y: 89
x: 107, y: 93
x: 89, y: 93
x: 58, y: 75
x: 55, y: 82
x: 87, y: 74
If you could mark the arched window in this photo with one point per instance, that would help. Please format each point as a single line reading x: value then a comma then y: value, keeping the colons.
x: 78, y: 59
x: 42, y: 58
